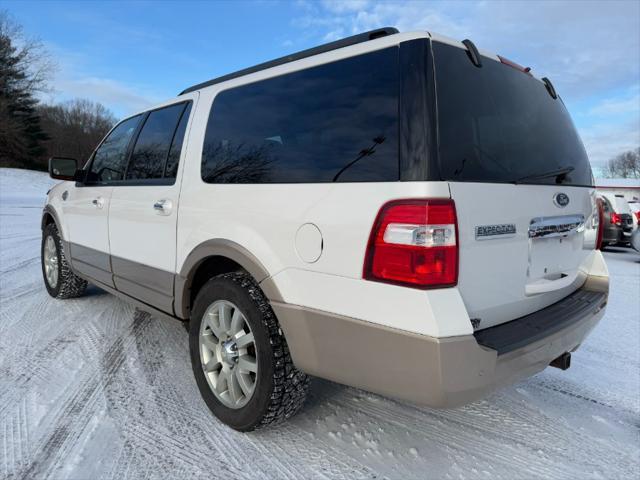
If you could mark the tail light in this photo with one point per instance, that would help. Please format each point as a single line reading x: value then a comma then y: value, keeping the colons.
x: 638, y: 217
x: 616, y: 219
x: 414, y: 243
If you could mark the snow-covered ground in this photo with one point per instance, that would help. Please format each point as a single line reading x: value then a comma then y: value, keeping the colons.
x: 91, y: 388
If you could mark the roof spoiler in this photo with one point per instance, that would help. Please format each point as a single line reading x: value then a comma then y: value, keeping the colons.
x: 327, y: 47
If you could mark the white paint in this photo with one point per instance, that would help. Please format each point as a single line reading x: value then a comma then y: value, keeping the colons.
x: 136, y: 231
x: 505, y: 278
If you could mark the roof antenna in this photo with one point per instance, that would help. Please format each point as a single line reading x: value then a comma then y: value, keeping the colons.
x: 550, y: 89
x: 474, y: 55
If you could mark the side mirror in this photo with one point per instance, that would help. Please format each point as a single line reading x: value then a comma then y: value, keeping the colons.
x: 63, y: 168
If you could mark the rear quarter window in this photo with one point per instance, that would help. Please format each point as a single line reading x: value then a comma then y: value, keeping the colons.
x: 331, y: 123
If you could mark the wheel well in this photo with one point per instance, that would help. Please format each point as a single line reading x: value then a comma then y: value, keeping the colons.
x: 209, y: 268
x: 47, y: 219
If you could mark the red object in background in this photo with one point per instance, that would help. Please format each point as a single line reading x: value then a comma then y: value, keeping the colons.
x: 616, y: 219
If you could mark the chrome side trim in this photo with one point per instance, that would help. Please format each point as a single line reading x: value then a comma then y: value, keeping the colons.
x: 560, y: 226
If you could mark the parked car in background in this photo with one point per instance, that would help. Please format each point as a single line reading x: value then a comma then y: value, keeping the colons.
x: 635, y: 236
x: 635, y: 239
x: 634, y: 206
x: 619, y: 220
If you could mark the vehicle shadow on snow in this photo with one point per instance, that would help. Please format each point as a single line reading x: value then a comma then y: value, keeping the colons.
x: 93, y: 291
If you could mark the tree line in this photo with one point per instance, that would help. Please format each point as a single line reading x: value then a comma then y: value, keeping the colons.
x: 32, y: 131
x: 624, y: 165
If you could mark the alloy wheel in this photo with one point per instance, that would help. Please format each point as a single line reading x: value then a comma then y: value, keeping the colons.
x: 51, y: 262
x: 228, y: 354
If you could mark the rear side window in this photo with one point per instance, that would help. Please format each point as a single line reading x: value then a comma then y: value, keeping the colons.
x: 110, y: 159
x: 500, y: 125
x: 153, y: 147
x: 332, y: 123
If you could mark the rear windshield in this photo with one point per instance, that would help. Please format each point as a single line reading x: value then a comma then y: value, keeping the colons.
x: 499, y: 125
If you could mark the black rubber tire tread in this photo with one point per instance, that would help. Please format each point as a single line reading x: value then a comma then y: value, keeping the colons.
x: 69, y: 284
x: 289, y: 386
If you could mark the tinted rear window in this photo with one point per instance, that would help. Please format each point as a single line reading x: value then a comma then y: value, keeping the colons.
x: 334, y: 122
x: 498, y: 124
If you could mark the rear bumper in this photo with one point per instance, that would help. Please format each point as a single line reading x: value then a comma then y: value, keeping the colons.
x: 439, y: 372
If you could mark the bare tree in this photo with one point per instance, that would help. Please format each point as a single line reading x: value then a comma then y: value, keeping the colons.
x: 75, y: 127
x: 624, y: 165
x: 32, y: 61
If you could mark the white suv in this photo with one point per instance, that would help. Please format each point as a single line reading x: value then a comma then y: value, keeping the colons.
x: 394, y: 211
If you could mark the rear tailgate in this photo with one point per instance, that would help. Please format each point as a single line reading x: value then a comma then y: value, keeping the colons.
x: 519, y: 251
x: 521, y: 182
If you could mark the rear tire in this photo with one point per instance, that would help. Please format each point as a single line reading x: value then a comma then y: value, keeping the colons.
x: 59, y: 279
x: 276, y: 390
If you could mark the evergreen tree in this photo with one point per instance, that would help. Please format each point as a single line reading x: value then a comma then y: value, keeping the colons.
x: 21, y: 77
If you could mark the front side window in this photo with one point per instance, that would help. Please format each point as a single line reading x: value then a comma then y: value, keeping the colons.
x: 331, y: 123
x: 152, y: 148
x: 110, y: 159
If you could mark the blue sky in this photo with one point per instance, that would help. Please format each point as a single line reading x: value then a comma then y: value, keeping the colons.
x: 129, y: 55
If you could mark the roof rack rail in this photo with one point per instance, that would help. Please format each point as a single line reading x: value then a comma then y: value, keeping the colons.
x: 327, y: 47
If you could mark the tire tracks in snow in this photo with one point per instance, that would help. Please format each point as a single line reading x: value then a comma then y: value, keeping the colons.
x: 498, y: 431
x: 72, y: 416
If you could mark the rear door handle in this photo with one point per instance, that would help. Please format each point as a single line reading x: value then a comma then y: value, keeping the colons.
x: 163, y: 207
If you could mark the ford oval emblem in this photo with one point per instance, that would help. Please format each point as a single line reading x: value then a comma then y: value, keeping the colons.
x: 561, y: 200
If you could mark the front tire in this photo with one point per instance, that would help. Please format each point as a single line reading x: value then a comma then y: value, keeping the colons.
x: 59, y: 279
x: 240, y: 358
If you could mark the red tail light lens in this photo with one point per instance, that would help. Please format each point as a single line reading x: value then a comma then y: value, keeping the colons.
x: 638, y: 217
x: 414, y: 243
x: 616, y: 219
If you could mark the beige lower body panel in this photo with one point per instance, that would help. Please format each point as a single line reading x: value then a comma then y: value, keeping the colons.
x: 438, y: 372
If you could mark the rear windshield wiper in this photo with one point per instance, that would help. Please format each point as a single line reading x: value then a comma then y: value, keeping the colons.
x: 559, y: 173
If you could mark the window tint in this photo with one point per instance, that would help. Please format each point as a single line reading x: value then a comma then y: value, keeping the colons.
x: 110, y: 159
x: 176, y: 147
x: 334, y: 122
x: 152, y: 147
x: 498, y: 124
